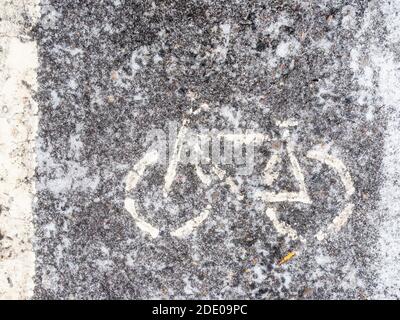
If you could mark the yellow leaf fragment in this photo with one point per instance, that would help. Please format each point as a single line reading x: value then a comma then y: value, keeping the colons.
x: 287, y: 258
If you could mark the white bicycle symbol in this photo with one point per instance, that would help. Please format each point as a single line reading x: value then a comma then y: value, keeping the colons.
x: 152, y: 157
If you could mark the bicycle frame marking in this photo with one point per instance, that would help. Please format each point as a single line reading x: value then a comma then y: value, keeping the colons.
x: 270, y: 177
x: 171, y: 171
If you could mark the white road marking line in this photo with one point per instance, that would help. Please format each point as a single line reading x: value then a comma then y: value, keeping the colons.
x: 134, y: 176
x: 287, y: 123
x: 18, y: 127
x: 245, y: 138
x: 204, y: 178
x: 387, y: 214
x: 270, y: 175
x: 338, y: 222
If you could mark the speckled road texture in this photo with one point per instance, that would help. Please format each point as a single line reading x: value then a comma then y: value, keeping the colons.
x: 110, y: 72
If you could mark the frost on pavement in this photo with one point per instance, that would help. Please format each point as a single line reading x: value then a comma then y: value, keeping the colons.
x: 18, y: 124
x: 375, y: 63
x: 387, y: 59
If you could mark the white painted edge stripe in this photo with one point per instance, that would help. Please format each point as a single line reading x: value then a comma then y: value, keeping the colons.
x: 18, y: 127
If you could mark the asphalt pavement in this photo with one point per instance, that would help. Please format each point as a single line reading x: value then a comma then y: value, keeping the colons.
x: 211, y: 149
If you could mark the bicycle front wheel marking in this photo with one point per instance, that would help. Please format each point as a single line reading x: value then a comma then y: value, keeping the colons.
x: 338, y: 222
x: 338, y: 166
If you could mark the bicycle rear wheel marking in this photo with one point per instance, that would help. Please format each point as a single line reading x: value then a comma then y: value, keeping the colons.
x: 133, y: 178
x: 141, y: 224
x: 190, y: 225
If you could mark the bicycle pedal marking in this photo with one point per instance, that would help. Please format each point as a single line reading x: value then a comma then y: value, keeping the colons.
x: 270, y: 175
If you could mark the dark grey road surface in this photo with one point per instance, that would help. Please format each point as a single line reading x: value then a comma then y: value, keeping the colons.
x: 111, y: 71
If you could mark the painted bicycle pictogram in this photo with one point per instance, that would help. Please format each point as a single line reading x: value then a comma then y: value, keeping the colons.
x: 150, y: 158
